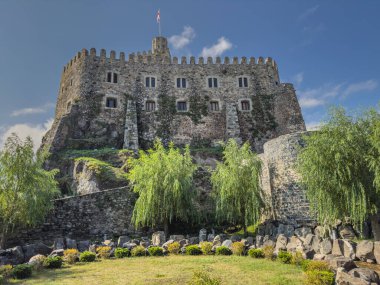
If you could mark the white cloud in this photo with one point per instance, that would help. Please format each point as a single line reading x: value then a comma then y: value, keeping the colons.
x: 311, y: 102
x: 368, y: 85
x: 182, y: 40
x: 217, y: 49
x: 33, y: 110
x: 313, y: 126
x: 35, y: 131
x: 298, y: 79
x: 308, y: 12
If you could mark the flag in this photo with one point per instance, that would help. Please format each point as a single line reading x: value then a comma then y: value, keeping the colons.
x: 158, y: 16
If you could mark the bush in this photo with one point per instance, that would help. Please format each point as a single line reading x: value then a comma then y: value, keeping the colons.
x: 6, y: 270
x: 238, y: 248
x: 203, y: 278
x: 87, y: 256
x: 315, y: 265
x: 268, y: 252
x: 155, y: 251
x: 104, y: 251
x: 193, y: 250
x: 174, y: 247
x: 305, y: 264
x: 256, y: 253
x: 53, y: 262
x: 2, y: 279
x: 138, y: 251
x: 284, y: 256
x: 316, y: 277
x: 206, y: 247
x: 223, y: 250
x: 22, y: 271
x: 297, y: 258
x: 122, y: 252
x: 71, y: 255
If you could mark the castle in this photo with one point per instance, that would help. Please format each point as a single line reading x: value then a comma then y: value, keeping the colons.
x: 127, y: 103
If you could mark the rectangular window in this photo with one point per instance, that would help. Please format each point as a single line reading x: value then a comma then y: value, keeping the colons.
x: 147, y: 81
x: 115, y: 78
x: 245, y: 106
x: 178, y: 82
x: 182, y: 106
x: 214, y: 106
x: 153, y: 82
x: 181, y: 83
x: 109, y: 77
x: 111, y: 103
x: 150, y: 82
x: 150, y: 106
x: 210, y: 82
x: 213, y: 82
x: 243, y: 82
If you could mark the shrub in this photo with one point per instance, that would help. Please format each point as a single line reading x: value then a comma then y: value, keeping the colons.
x: 193, y: 250
x: 315, y: 265
x: 87, y: 256
x: 256, y: 253
x: 53, y: 262
x: 155, y: 251
x: 284, y: 256
x: 37, y: 262
x: 297, y: 258
x: 268, y: 252
x: 174, y: 247
x: 238, y: 248
x: 305, y: 264
x: 22, y: 271
x: 138, y: 251
x: 6, y: 270
x: 206, y: 247
x: 122, y: 252
x: 2, y: 279
x: 104, y: 251
x: 203, y: 278
x: 316, y: 277
x: 71, y: 255
x: 223, y: 250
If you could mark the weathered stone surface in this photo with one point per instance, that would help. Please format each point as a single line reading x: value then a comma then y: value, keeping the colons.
x: 83, y: 245
x: 343, y: 278
x: 349, y: 249
x: 129, y: 245
x: 294, y: 244
x: 59, y: 243
x: 34, y: 249
x: 342, y: 261
x: 217, y: 240
x: 235, y: 238
x: 166, y: 244
x: 70, y: 243
x: 145, y: 244
x: 319, y: 256
x: 287, y: 230
x: 281, y: 243
x: 177, y: 237
x: 364, y: 250
x: 376, y: 251
x: 337, y: 248
x: 347, y: 232
x: 320, y: 232
x: 108, y: 242
x: 193, y: 240
x: 227, y: 243
x: 325, y: 246
x: 123, y: 239
x: 57, y: 252
x: 202, y: 235
x: 12, y: 256
x: 210, y: 237
x: 302, y: 232
x: 158, y: 238
x: 365, y: 274
x: 259, y: 241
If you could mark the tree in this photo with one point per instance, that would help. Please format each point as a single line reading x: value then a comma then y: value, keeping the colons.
x: 26, y: 189
x: 335, y: 167
x: 163, y: 179
x: 237, y: 188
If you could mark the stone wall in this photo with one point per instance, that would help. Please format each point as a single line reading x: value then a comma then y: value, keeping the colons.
x: 87, y: 216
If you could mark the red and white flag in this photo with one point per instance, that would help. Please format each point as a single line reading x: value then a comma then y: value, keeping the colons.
x: 158, y: 16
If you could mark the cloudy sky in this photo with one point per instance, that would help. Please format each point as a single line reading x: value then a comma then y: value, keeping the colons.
x: 330, y: 50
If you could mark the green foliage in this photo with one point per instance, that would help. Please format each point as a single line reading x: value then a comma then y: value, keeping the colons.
x: 223, y: 250
x: 284, y: 257
x: 71, y: 255
x: 193, y: 250
x: 206, y: 247
x: 2, y: 279
x: 104, y: 251
x: 198, y: 106
x: 316, y: 277
x: 305, y: 264
x: 53, y: 262
x: 315, y: 265
x: 155, y: 251
x: 256, y: 253
x: 26, y: 189
x: 6, y: 270
x: 338, y: 167
x: 236, y: 185
x: 138, y: 251
x: 163, y: 178
x: 22, y: 271
x: 122, y: 252
x: 268, y: 251
x: 237, y: 248
x: 87, y: 256
x: 174, y: 247
x: 202, y: 277
x: 297, y: 258
x: 103, y: 170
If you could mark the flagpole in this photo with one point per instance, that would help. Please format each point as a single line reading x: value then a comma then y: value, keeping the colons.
x: 159, y: 22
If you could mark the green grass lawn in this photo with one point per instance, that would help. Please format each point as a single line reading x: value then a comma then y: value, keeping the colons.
x: 170, y: 270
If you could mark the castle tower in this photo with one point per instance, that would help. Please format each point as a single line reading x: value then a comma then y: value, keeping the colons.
x: 160, y: 46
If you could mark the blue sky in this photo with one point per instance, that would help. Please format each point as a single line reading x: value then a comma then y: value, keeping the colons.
x: 330, y: 50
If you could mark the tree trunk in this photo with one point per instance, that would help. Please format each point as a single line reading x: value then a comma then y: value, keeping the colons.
x: 245, y: 230
x: 375, y: 225
x: 166, y: 228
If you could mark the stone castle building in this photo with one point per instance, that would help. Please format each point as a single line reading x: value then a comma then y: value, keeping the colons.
x: 105, y: 101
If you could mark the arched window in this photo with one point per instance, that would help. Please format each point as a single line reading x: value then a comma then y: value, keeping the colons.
x: 150, y: 106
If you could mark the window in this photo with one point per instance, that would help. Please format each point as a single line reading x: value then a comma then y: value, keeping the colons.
x: 111, y: 103
x: 213, y: 82
x: 150, y: 106
x: 150, y: 82
x: 182, y: 106
x: 243, y: 82
x: 109, y: 77
x: 245, y: 106
x: 181, y: 83
x: 115, y: 78
x: 112, y: 77
x: 214, y: 106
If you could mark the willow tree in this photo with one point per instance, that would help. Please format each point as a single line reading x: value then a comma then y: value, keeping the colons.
x: 335, y: 168
x: 26, y: 189
x: 236, y: 185
x: 163, y: 180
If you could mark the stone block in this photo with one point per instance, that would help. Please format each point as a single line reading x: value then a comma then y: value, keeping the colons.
x: 158, y: 238
x: 364, y: 250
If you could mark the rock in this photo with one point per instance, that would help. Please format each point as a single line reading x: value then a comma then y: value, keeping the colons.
x: 364, y: 250
x: 136, y: 241
x: 83, y: 245
x: 176, y: 237
x: 145, y: 244
x: 217, y: 241
x: 294, y: 244
x: 325, y: 246
x: 37, y: 261
x: 376, y: 251
x: 365, y: 274
x: 227, y: 243
x: 34, y: 249
x: 319, y: 256
x: 337, y: 248
x: 166, y: 244
x: 183, y: 242
x: 370, y: 261
x: 210, y: 237
x: 93, y: 247
x: 259, y: 241
x: 59, y: 243
x: 312, y: 242
x: 193, y: 240
x: 269, y: 242
x: 235, y: 238
x: 12, y: 256
x: 202, y: 235
x: 302, y: 232
x: 342, y: 261
x: 71, y: 243
x: 347, y: 232
x: 129, y: 245
x: 320, y: 232
x: 343, y: 278
x: 286, y: 230
x: 108, y: 242
x: 123, y: 239
x: 281, y: 243
x: 349, y: 249
x: 57, y: 252
x: 249, y: 240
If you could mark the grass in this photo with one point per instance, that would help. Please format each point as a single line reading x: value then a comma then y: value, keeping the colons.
x: 170, y: 270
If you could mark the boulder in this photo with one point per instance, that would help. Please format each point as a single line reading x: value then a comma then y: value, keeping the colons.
x: 364, y: 250
x: 294, y: 244
x: 269, y: 242
x: 286, y: 230
x: 93, y: 247
x: 321, y: 232
x: 193, y: 240
x: 342, y: 261
x: 59, y: 243
x: 312, y: 242
x: 12, y: 256
x: 166, y: 244
x: 235, y: 238
x: 217, y: 241
x: 57, y: 252
x: 37, y: 261
x: 145, y: 244
x: 376, y: 251
x: 343, y: 278
x: 347, y: 232
x: 259, y: 241
x: 108, y: 242
x: 71, y: 243
x: 210, y: 237
x: 325, y: 247
x: 302, y: 232
x: 319, y: 256
x: 202, y: 235
x: 129, y: 245
x: 123, y: 239
x: 349, y: 249
x: 83, y: 245
x: 281, y: 243
x: 34, y: 249
x: 227, y: 243
x: 183, y: 242
x: 177, y: 237
x: 337, y: 248
x: 365, y: 274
